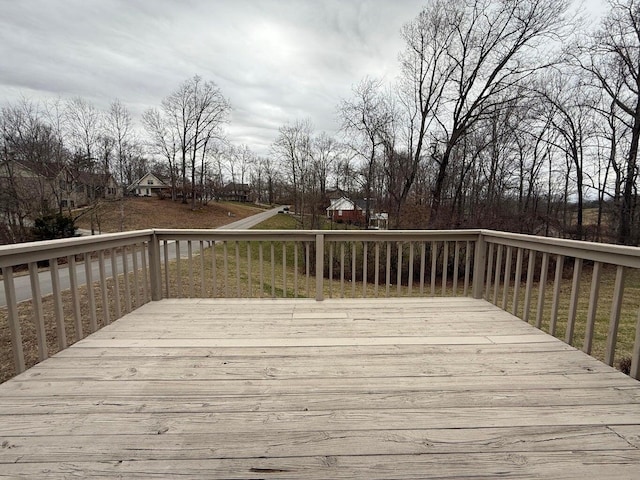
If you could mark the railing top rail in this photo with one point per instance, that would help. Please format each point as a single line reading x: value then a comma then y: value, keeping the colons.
x: 603, y: 252
x: 21, y: 253
x: 330, y: 235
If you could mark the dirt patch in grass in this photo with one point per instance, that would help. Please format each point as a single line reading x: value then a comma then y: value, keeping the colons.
x: 142, y: 213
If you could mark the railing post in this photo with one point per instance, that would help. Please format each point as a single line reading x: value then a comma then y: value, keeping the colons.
x: 320, y: 267
x: 154, y: 268
x: 479, y: 264
x: 14, y: 320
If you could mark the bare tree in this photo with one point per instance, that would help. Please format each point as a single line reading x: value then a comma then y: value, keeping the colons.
x: 462, y: 57
x: 163, y: 141
x: 293, y: 148
x: 195, y: 111
x: 612, y: 57
x: 119, y: 128
x: 365, y: 119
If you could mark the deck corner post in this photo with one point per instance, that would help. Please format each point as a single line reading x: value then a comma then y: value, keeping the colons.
x: 319, y: 267
x: 635, y: 359
x: 154, y: 268
x: 479, y: 264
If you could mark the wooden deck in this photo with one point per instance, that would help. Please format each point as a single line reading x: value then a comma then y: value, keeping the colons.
x: 389, y: 388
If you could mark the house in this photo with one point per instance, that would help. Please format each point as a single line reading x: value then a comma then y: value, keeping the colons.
x: 345, y: 210
x: 50, y: 186
x: 88, y: 187
x: 236, y: 192
x: 148, y: 186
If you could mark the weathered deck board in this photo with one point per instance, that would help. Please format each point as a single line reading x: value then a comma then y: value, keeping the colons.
x: 390, y: 388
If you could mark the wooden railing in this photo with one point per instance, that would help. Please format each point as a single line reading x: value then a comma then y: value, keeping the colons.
x: 161, y: 263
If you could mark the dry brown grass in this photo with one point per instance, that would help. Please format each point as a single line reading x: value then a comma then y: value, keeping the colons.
x: 136, y: 213
x: 27, y: 325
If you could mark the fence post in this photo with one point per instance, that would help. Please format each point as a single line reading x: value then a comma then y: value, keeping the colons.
x: 154, y: 268
x: 479, y: 264
x: 319, y: 267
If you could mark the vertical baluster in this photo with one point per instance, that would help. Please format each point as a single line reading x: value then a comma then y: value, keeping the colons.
x: 364, y: 269
x: 88, y: 273
x: 507, y: 277
x: 116, y: 283
x: 166, y: 268
x: 145, y: 278
x: 57, y: 304
x: 388, y: 271
x: 434, y: 259
x: 103, y: 289
x: 13, y: 319
x: 516, y: 284
x: 73, y: 283
x: 307, y: 256
x: 541, y: 294
x: 237, y: 248
x: 225, y: 266
x: 261, y: 268
x: 273, y: 270
x: 178, y: 270
x: 573, y: 302
x: 399, y: 269
x: 489, y: 272
x: 529, y: 286
x: 214, y: 269
x: 456, y: 260
x: 556, y: 294
x: 249, y: 273
x: 614, y: 317
x: 445, y: 267
x: 295, y: 269
x: 38, y: 315
x: 341, y: 269
x: 330, y: 269
x: 467, y: 268
x: 423, y: 252
x: 203, y: 280
x: 136, y: 283
x: 190, y: 267
x: 353, y: 269
x: 284, y: 269
x: 376, y: 272
x: 496, y: 280
x: 410, y: 279
x: 635, y: 356
x: 593, y: 308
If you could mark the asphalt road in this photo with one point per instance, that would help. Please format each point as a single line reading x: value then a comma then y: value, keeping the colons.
x: 23, y: 285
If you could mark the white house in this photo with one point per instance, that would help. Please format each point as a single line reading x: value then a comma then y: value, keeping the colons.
x: 148, y: 186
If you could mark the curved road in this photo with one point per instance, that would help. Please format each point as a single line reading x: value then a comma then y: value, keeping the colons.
x: 23, y: 285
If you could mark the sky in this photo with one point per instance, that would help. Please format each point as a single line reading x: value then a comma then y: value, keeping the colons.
x: 274, y: 60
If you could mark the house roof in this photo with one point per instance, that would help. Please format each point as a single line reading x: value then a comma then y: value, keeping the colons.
x: 234, y: 187
x: 161, y: 182
x: 342, y: 203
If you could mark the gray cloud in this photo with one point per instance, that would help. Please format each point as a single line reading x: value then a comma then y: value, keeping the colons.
x: 276, y: 60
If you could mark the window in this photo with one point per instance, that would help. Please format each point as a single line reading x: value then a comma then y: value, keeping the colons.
x: 63, y: 204
x: 79, y: 188
x: 339, y: 213
x: 148, y: 192
x: 149, y: 182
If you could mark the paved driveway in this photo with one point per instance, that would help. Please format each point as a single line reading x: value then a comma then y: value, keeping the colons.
x: 23, y: 286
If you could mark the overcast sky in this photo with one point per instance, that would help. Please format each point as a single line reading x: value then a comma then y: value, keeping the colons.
x: 275, y: 60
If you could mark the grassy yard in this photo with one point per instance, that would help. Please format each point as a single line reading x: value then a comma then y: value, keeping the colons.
x: 137, y: 213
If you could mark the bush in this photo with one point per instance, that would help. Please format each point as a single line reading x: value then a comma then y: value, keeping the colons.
x: 624, y: 365
x: 51, y: 227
